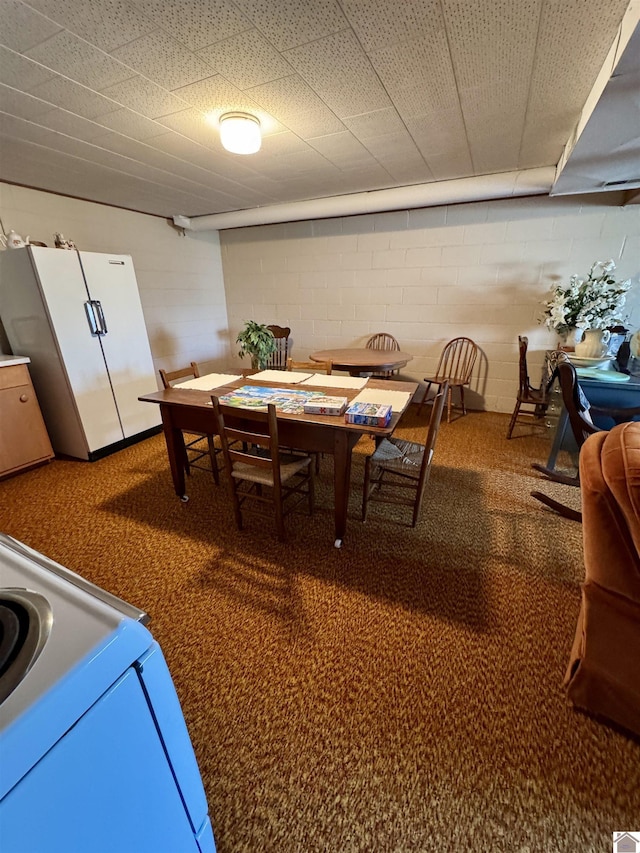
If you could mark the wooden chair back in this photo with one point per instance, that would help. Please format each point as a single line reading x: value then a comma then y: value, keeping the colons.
x: 382, y: 340
x: 403, y: 479
x: 259, y: 470
x: 313, y: 366
x: 527, y: 395
x: 278, y: 359
x: 168, y: 377
x: 200, y: 450
x: 457, y: 361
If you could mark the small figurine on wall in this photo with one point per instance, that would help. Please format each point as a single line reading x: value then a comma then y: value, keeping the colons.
x: 62, y: 243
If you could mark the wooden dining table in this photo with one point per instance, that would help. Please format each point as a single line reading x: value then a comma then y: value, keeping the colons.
x: 191, y: 409
x: 357, y: 360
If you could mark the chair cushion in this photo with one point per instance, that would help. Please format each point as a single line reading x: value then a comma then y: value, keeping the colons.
x: 289, y: 465
x: 398, y: 453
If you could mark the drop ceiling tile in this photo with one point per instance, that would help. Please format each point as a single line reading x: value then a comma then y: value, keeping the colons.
x: 379, y: 24
x: 70, y: 175
x: 499, y: 46
x: 438, y: 131
x: 338, y: 70
x: 290, y: 23
x: 246, y: 59
x: 20, y: 104
x: 418, y: 76
x: 279, y: 144
x: 107, y: 23
x: 79, y: 60
x: 163, y: 60
x: 213, y: 93
x: 192, y: 124
x: 131, y: 124
x: 226, y: 173
x: 21, y: 73
x: 343, y: 150
x: 23, y: 27
x: 72, y: 96
x: 145, y: 97
x: 377, y: 123
x: 293, y: 103
x: 197, y: 23
x: 71, y: 125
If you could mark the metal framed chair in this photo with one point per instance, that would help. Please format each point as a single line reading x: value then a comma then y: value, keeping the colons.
x: 397, y: 472
x: 198, y: 445
x: 259, y: 471
x: 278, y: 360
x: 527, y: 395
x: 455, y: 366
x: 383, y: 340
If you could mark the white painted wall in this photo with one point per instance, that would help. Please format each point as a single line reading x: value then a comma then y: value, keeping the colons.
x: 179, y: 277
x: 428, y: 275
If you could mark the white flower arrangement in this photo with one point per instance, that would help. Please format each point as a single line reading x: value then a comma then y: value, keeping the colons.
x: 595, y: 302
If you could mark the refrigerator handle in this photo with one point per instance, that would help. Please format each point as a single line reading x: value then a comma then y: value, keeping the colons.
x: 95, y: 317
x: 101, y: 319
x: 91, y: 317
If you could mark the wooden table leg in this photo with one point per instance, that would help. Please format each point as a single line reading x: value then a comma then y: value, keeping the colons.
x: 342, y: 451
x: 176, y: 452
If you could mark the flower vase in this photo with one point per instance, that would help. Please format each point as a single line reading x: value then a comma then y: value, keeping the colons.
x: 594, y: 344
x: 569, y: 339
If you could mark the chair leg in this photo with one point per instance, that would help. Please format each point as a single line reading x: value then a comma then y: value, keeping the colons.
x: 365, y: 489
x: 282, y: 536
x: 449, y: 398
x: 514, y: 417
x: 424, y: 397
x: 312, y: 488
x: 236, y: 502
x: 214, y: 459
x: 464, y: 411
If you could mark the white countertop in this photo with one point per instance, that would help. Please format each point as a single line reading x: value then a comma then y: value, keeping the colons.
x: 8, y: 360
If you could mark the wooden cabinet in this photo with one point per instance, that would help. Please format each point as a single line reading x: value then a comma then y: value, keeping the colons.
x: 23, y: 436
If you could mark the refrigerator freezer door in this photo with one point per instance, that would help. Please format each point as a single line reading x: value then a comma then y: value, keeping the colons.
x: 111, y: 281
x: 43, y: 311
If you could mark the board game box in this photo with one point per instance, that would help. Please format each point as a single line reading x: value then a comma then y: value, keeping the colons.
x: 370, y: 414
x: 326, y: 406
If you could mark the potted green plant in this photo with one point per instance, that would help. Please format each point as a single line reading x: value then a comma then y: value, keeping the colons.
x: 257, y: 341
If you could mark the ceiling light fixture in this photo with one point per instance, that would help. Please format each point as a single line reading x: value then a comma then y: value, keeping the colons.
x: 240, y: 133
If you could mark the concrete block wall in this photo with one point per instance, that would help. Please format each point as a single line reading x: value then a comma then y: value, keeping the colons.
x: 481, y: 269
x: 179, y: 277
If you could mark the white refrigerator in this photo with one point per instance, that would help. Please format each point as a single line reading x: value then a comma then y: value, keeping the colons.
x: 78, y: 317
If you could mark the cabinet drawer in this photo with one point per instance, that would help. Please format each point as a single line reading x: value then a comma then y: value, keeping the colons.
x: 15, y: 374
x: 23, y: 436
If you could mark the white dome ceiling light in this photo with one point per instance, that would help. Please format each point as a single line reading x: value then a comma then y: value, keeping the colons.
x: 240, y: 133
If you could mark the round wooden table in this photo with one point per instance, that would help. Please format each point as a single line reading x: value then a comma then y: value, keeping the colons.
x: 357, y: 360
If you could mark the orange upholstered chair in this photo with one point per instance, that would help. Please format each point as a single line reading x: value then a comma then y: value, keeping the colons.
x: 603, y: 676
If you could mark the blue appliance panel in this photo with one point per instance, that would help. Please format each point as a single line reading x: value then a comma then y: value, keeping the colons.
x: 106, y: 786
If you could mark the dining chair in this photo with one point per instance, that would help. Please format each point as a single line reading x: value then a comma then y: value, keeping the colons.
x: 278, y: 359
x: 260, y: 472
x: 527, y: 394
x: 398, y: 471
x: 582, y: 426
x: 313, y: 366
x: 383, y: 340
x: 197, y: 445
x: 454, y: 367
